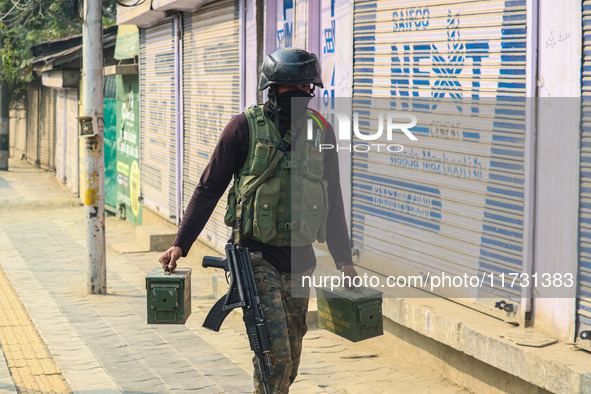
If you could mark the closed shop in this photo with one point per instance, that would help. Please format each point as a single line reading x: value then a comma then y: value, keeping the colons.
x: 72, y: 140
x: 211, y: 96
x: 584, y: 284
x: 18, y: 132
x: 47, y: 127
x: 66, y: 141
x: 61, y: 135
x: 157, y: 119
x: 32, y: 121
x: 453, y: 201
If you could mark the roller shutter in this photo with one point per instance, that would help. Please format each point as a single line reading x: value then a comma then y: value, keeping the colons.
x: 61, y: 135
x: 32, y: 121
x: 211, y: 96
x: 453, y: 201
x: 66, y: 141
x: 157, y: 119
x: 18, y: 132
x: 72, y: 155
x: 47, y: 128
x: 584, y: 277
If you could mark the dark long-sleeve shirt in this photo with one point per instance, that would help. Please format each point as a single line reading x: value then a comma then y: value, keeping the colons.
x: 227, y: 159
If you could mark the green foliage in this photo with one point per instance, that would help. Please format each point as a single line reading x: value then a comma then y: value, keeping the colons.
x: 25, y: 23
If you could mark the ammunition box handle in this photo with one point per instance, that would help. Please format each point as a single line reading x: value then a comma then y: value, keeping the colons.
x: 165, y: 286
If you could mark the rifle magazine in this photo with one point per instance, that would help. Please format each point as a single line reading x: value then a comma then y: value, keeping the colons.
x: 216, y: 315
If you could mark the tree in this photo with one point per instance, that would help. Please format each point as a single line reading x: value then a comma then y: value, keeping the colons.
x: 24, y: 23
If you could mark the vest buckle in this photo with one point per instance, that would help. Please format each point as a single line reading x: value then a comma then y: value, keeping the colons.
x: 289, y: 226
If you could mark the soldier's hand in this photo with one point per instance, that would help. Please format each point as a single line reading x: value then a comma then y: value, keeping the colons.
x: 169, y: 258
x: 350, y: 272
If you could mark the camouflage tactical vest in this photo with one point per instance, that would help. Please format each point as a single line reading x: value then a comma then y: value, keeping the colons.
x: 290, y: 208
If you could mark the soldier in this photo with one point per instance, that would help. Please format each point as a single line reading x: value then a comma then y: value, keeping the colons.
x: 277, y: 228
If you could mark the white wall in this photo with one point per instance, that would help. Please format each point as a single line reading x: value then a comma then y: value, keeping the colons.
x: 250, y: 43
x: 340, y: 63
x: 557, y: 168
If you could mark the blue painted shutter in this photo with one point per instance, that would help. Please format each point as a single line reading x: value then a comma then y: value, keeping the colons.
x: 453, y: 201
x: 584, y: 275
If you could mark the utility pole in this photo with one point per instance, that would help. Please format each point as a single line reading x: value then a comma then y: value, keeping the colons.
x: 4, y: 117
x: 92, y: 129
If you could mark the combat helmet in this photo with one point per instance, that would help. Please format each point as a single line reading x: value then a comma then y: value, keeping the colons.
x: 290, y: 66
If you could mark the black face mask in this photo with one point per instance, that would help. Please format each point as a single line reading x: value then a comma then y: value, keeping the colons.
x: 281, y: 105
x: 284, y: 100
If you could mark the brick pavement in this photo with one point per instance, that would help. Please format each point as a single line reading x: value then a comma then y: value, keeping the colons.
x: 32, y: 365
x: 102, y: 343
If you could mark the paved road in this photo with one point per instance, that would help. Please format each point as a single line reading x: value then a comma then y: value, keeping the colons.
x: 89, y: 343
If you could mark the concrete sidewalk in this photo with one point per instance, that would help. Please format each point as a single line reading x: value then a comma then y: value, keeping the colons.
x: 103, y: 344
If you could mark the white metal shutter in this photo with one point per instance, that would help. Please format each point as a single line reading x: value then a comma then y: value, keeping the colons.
x: 66, y: 138
x: 72, y: 145
x: 157, y: 119
x: 60, y: 135
x: 584, y: 279
x: 211, y: 96
x: 32, y: 121
x: 18, y: 132
x: 453, y: 201
x: 47, y: 128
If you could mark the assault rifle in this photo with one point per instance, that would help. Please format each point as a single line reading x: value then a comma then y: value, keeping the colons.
x: 241, y: 293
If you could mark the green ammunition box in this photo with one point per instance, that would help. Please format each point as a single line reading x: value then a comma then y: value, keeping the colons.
x: 354, y: 314
x: 169, y: 296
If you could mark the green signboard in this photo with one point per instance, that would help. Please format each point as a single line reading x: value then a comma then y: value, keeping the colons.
x: 128, y: 170
x: 110, y: 137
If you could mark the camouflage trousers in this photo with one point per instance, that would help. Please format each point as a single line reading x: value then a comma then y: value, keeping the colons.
x: 285, y: 320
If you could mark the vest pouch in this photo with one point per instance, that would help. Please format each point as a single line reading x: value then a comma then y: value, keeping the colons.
x: 247, y: 206
x: 265, y: 210
x: 230, y: 215
x: 247, y: 223
x: 313, y: 164
x: 263, y: 153
x: 312, y: 217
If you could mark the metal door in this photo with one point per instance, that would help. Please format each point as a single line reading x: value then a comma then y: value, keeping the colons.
x: 32, y: 121
x: 46, y: 136
x: 584, y: 276
x: 451, y: 203
x: 157, y: 119
x: 211, y: 96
